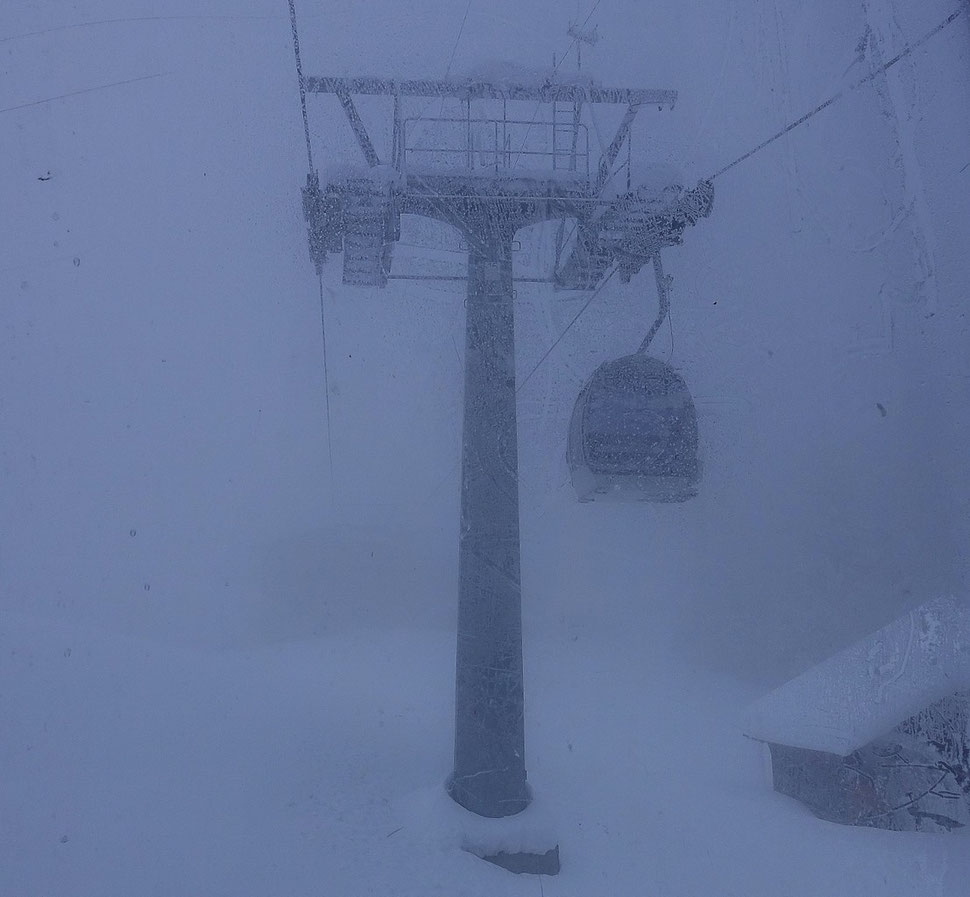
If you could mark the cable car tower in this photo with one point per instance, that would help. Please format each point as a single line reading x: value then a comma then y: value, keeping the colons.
x: 488, y: 173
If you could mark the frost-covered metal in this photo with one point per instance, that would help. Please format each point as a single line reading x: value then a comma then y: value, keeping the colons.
x: 488, y: 170
x: 547, y: 90
x: 633, y: 434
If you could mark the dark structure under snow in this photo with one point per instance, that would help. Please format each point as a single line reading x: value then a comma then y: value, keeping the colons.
x: 879, y: 735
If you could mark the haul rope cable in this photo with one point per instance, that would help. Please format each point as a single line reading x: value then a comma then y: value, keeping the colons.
x: 555, y: 69
x: 302, y: 82
x: 128, y: 19
x: 902, y: 54
x: 454, y: 49
x: 77, y: 93
x: 309, y: 158
x: 906, y: 51
x: 559, y: 339
x: 664, y: 300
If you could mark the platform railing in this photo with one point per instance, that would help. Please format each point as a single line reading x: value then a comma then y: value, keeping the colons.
x: 494, y: 145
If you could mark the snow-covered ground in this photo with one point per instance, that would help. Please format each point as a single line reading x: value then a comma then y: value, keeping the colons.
x: 222, y: 673
x: 315, y: 767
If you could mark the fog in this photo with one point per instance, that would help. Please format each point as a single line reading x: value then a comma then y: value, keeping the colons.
x: 167, y: 491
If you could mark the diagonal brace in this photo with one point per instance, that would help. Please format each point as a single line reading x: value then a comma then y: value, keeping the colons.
x: 360, y: 132
x: 609, y: 157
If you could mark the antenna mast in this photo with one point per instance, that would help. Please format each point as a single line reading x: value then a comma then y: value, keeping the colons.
x: 582, y: 35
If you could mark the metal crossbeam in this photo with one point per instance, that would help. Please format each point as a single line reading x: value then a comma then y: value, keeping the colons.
x: 547, y: 92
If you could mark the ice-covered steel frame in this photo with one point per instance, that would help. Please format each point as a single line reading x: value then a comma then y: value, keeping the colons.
x: 489, y: 776
x: 548, y: 92
x: 499, y: 156
x: 469, y: 90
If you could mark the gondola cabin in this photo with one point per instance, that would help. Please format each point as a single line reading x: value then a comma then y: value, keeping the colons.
x: 633, y: 434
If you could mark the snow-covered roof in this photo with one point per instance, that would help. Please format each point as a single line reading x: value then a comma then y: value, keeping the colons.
x: 868, y: 689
